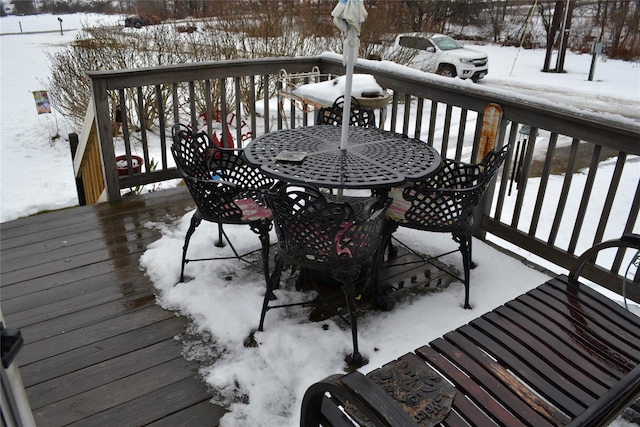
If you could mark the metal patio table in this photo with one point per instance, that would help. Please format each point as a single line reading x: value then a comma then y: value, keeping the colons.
x: 374, y: 158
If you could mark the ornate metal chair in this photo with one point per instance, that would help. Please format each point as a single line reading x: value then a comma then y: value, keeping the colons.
x: 447, y: 202
x: 225, y: 189
x: 358, y: 116
x: 320, y: 234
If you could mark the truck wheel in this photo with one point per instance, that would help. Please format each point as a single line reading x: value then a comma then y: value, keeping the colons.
x: 446, y: 70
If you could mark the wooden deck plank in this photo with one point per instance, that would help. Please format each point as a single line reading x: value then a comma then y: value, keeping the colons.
x: 113, y: 394
x: 65, y: 341
x: 158, y: 404
x: 98, y: 351
x: 37, y: 307
x: 195, y: 415
x: 47, y: 282
x: 83, y: 380
x: 78, y: 320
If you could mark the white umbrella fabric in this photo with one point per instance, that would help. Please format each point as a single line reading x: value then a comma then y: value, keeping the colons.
x: 348, y: 16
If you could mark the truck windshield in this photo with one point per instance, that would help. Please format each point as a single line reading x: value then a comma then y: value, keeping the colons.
x: 446, y: 43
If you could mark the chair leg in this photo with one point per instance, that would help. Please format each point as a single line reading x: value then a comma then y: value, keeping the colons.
x: 465, y: 250
x: 378, y: 300
x: 387, y: 242
x: 272, y: 283
x: 350, y: 295
x: 196, y: 219
x: 263, y: 234
x: 472, y: 264
x: 220, y: 242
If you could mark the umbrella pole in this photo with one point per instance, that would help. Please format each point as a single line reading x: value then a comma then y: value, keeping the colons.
x: 350, y: 43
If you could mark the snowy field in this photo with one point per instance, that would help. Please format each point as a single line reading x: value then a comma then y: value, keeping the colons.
x: 37, y: 173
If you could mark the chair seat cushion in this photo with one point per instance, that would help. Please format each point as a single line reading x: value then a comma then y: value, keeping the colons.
x: 399, y: 206
x: 252, y: 211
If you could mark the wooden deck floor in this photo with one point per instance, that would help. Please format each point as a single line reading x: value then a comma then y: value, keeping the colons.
x: 98, y: 350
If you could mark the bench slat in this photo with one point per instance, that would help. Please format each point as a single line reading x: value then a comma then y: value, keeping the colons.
x: 486, y: 404
x: 590, y: 323
x: 544, y: 354
x: 627, y: 319
x: 530, y: 407
x: 588, y: 343
x: 561, y: 348
x: 513, y: 356
x: 570, y: 341
x: 599, y: 314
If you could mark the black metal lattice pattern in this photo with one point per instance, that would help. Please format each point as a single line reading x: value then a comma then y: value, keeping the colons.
x: 447, y: 200
x: 320, y: 234
x: 373, y: 158
x: 216, y: 178
x: 358, y: 116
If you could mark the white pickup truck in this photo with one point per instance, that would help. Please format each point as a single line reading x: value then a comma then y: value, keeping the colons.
x: 437, y: 53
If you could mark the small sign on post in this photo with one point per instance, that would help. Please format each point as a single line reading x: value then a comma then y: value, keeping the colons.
x: 596, y: 49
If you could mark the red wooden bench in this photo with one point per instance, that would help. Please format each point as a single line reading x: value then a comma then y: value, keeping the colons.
x: 561, y: 354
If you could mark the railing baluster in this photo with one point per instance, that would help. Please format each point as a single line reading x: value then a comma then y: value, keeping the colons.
x: 267, y: 113
x: 192, y: 106
x: 176, y: 103
x: 394, y: 111
x: 611, y: 194
x: 564, y: 194
x: 544, y: 180
x: 142, y: 114
x: 163, y: 125
x: 584, y: 202
x: 419, y: 113
x: 446, y: 129
x: 223, y: 112
x: 432, y: 123
x: 462, y: 126
x: 407, y: 113
x: 238, y: 117
x: 522, y: 187
x: 252, y: 104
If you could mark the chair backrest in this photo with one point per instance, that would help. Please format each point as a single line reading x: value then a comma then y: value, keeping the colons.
x: 191, y: 152
x: 197, y: 156
x: 229, y: 164
x: 358, y: 115
x: 448, y: 200
x: 321, y: 234
x: 215, y: 199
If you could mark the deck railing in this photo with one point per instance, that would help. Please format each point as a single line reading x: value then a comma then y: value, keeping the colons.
x: 448, y: 115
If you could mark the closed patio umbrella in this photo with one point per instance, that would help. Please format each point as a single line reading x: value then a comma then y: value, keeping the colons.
x: 348, y: 16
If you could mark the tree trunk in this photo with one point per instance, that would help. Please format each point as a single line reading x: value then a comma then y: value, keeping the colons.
x: 551, y: 35
x: 565, y: 36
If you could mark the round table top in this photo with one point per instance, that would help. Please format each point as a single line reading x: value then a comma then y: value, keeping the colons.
x: 311, y: 155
